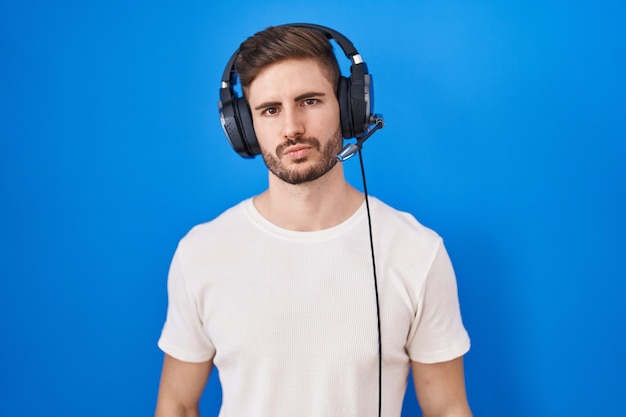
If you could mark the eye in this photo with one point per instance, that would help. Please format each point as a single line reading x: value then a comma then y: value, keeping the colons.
x: 270, y: 111
x: 310, y: 101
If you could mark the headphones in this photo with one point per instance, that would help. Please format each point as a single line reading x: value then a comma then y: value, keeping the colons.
x: 355, y: 95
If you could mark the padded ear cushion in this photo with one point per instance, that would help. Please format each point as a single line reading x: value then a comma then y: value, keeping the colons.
x: 246, y: 127
x: 345, y: 108
x: 359, y: 100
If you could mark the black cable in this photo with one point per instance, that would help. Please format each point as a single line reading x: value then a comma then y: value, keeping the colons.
x: 380, y: 344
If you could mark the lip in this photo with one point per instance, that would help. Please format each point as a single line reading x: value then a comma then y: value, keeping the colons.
x: 297, y: 151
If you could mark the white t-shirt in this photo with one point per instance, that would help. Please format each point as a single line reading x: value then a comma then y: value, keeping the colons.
x: 289, y: 318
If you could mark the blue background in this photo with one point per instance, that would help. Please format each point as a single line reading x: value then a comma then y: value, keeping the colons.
x: 505, y: 133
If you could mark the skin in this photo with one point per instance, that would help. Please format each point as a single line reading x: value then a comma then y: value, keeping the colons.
x: 294, y: 99
x: 440, y: 388
x: 181, y: 387
x: 296, y: 120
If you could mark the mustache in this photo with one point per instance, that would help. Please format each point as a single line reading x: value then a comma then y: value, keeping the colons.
x: 313, y: 142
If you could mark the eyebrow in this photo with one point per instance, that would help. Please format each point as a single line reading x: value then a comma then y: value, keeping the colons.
x: 310, y: 94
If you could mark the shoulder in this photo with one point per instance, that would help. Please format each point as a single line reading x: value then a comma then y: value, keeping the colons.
x: 216, y: 230
x: 397, y: 221
x: 400, y: 236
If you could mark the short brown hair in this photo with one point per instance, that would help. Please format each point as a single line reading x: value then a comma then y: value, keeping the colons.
x: 278, y: 43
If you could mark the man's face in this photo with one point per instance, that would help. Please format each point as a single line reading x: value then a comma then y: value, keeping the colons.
x: 296, y: 120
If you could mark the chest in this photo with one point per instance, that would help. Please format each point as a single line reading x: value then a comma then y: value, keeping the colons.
x: 299, y: 302
x: 291, y: 308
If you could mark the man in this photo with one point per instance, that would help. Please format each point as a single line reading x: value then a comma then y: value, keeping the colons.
x: 278, y: 291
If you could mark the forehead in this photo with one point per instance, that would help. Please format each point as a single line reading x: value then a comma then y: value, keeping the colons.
x: 287, y: 78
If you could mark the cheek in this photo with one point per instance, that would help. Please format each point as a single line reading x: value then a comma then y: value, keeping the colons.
x: 262, y: 130
x: 331, y: 119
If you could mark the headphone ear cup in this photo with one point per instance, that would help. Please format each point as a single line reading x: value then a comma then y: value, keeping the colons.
x: 345, y: 107
x: 360, y: 95
x: 230, y: 122
x: 246, y: 127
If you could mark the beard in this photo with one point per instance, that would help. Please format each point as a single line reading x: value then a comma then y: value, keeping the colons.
x: 295, y: 175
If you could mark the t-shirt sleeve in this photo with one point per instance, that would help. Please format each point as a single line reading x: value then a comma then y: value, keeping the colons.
x: 183, y: 336
x: 438, y: 333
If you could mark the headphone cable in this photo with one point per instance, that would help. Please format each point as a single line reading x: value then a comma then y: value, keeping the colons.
x: 380, y: 345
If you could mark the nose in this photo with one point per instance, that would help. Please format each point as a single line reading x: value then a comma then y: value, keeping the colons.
x: 293, y: 123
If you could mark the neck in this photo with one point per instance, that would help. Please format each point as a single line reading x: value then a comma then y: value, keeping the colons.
x: 314, y: 205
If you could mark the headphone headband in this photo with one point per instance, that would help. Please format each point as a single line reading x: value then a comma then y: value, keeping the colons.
x: 355, y: 96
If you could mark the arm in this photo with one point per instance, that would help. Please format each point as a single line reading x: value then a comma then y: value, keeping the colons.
x: 181, y: 387
x: 440, y: 388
